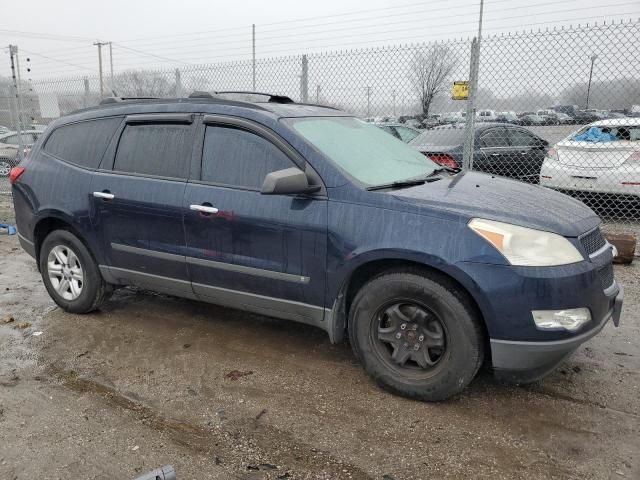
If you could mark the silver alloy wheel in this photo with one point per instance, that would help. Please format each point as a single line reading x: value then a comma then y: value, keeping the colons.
x: 5, y: 168
x: 65, y: 272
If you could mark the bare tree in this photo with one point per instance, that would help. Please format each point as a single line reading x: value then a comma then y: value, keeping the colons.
x: 138, y: 83
x: 429, y: 73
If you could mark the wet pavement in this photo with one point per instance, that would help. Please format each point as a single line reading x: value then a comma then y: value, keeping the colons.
x: 220, y: 394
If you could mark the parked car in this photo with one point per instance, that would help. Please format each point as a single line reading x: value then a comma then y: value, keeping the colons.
x: 414, y: 123
x: 308, y: 214
x: 571, y: 110
x: 401, y: 132
x: 582, y: 117
x: 10, y: 154
x: 500, y: 149
x: 507, y: 117
x: 535, y: 120
x: 606, y: 168
x: 453, y: 117
x: 615, y: 115
x: 563, y: 118
x: 486, y: 116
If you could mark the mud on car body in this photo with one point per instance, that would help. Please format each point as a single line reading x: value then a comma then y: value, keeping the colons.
x: 305, y: 213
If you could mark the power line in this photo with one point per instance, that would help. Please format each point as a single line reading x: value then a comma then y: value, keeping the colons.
x: 47, y: 36
x: 324, y: 46
x: 55, y: 59
x: 139, y: 52
x: 297, y: 41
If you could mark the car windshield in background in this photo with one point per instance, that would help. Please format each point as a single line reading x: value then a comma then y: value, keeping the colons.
x: 439, y: 136
x: 365, y: 152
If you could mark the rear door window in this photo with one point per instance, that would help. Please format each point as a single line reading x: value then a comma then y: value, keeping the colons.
x: 522, y: 138
x: 239, y: 158
x: 157, y: 149
x: 494, y: 138
x: 82, y: 143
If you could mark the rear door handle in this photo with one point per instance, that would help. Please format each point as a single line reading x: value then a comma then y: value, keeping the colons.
x: 203, y: 208
x: 104, y: 195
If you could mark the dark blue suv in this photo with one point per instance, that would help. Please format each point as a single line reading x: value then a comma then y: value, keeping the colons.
x: 305, y: 213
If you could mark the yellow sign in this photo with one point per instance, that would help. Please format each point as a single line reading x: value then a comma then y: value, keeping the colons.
x: 460, y: 90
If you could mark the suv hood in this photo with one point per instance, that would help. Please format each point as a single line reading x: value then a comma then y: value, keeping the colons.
x: 472, y: 194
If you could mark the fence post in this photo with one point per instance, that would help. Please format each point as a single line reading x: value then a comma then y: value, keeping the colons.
x: 179, y: 92
x: 304, y: 80
x: 86, y: 92
x: 469, y: 130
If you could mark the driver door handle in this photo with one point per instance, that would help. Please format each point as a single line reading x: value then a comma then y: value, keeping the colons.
x: 104, y: 195
x: 203, y: 208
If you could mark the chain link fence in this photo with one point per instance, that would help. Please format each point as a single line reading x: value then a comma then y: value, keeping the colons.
x: 558, y: 108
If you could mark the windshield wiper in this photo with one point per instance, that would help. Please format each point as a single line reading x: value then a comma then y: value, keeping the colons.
x: 400, y: 184
x: 406, y: 183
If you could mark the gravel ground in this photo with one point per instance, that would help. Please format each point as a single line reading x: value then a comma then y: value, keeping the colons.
x: 220, y: 394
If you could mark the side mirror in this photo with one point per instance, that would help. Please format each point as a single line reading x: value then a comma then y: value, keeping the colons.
x: 289, y: 181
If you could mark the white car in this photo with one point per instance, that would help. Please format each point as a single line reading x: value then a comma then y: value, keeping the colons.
x: 486, y: 116
x: 602, y: 157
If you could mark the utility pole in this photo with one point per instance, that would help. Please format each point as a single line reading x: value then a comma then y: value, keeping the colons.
x: 318, y: 94
x: 253, y: 48
x: 593, y: 60
x: 368, y: 101
x: 111, y: 66
x: 99, y: 45
x: 13, y: 53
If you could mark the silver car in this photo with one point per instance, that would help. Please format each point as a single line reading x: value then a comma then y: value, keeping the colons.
x: 10, y: 154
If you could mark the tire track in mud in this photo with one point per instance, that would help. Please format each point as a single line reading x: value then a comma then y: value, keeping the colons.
x: 276, y: 447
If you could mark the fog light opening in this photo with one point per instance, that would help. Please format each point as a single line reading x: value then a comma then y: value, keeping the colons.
x: 570, y: 319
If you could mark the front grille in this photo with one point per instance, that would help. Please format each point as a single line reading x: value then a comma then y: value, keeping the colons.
x: 606, y: 275
x: 593, y: 241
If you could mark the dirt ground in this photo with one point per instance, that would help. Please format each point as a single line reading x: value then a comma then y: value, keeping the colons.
x: 151, y: 380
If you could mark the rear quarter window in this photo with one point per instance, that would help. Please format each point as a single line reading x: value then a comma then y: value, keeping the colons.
x: 82, y: 143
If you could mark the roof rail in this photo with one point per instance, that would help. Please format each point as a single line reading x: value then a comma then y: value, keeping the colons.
x: 109, y: 100
x: 271, y: 97
x: 200, y: 94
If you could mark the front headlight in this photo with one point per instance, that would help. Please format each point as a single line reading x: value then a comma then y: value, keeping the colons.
x: 526, y: 246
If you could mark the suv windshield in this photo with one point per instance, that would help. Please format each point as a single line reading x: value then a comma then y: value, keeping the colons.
x: 365, y: 152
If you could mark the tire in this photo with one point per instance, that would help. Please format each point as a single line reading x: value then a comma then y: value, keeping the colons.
x: 5, y: 167
x: 438, y: 318
x: 85, y: 289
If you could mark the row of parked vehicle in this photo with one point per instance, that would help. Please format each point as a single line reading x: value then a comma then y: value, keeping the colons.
x: 557, y: 115
x: 600, y: 161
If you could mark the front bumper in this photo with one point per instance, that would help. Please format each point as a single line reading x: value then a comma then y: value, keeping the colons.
x: 525, y: 362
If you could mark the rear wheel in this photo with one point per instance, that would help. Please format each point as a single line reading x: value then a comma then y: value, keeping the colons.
x: 70, y: 273
x: 416, y: 335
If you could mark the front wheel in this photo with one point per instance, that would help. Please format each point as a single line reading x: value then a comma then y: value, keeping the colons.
x: 416, y: 335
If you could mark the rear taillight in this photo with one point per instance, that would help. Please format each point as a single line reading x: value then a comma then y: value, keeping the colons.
x: 15, y: 173
x: 444, y: 160
x: 552, y: 153
x: 634, y: 158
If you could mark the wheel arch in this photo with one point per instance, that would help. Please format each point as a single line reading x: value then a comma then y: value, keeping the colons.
x: 376, y: 263
x: 57, y: 220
